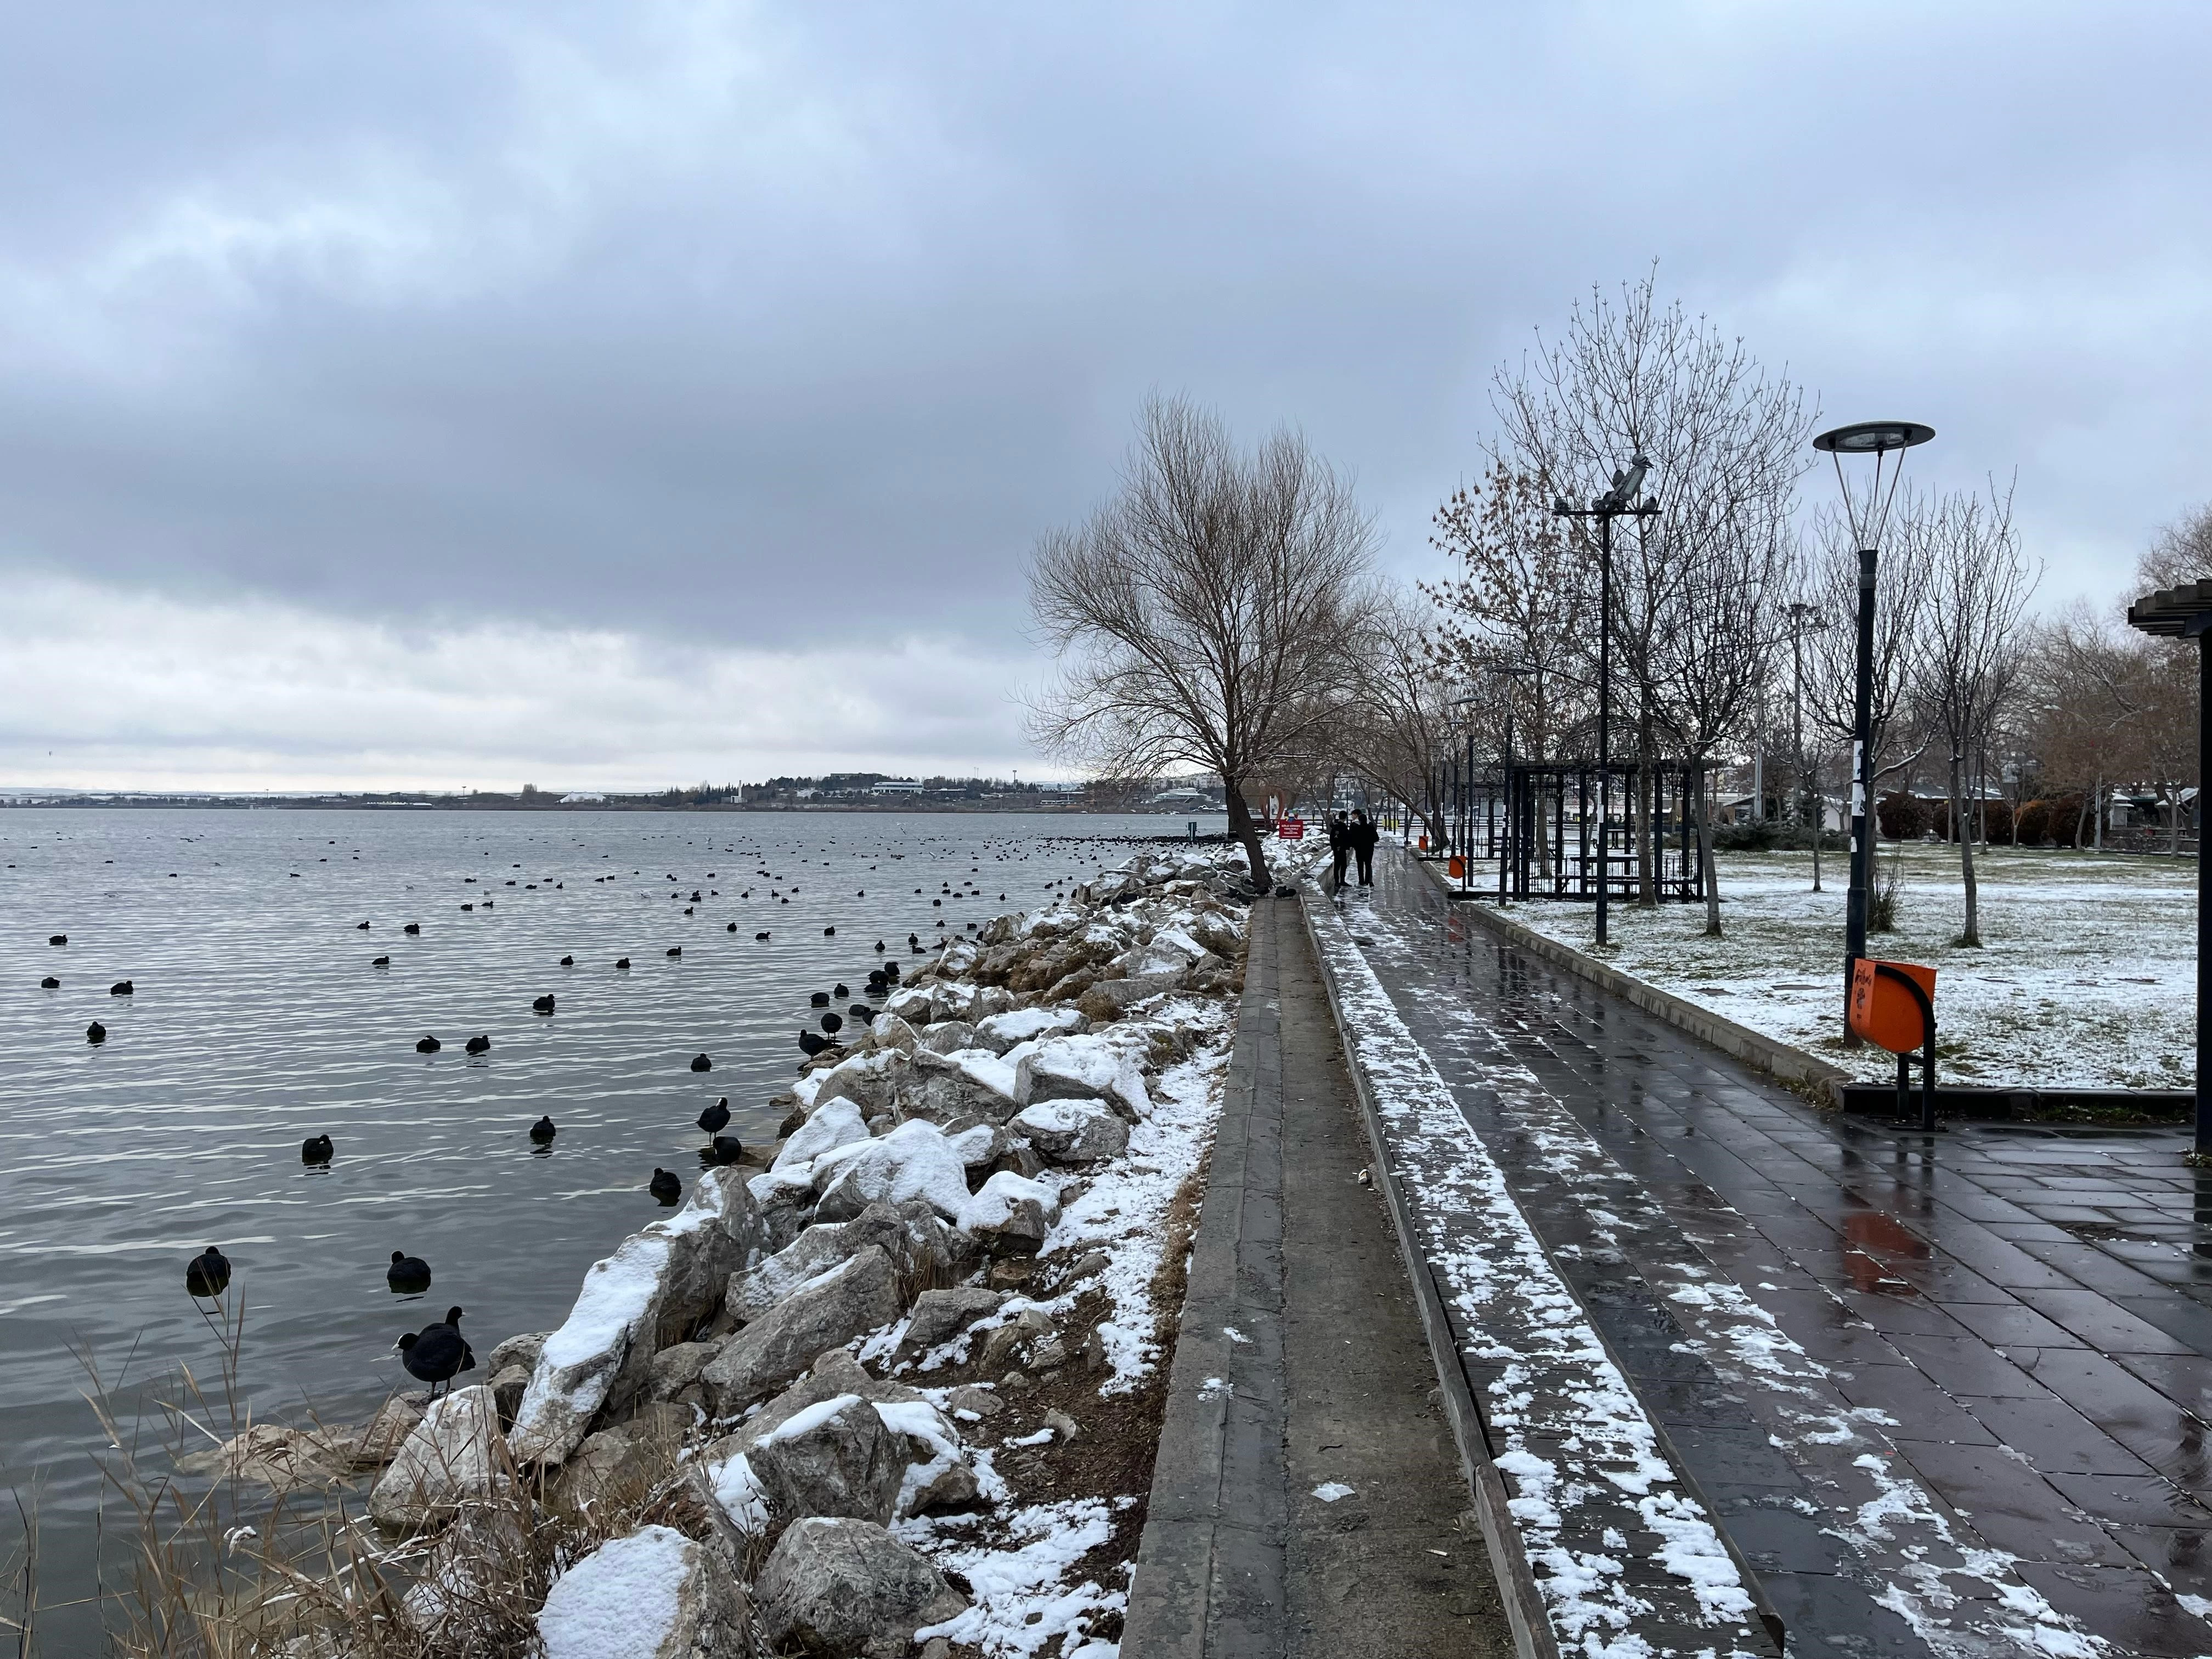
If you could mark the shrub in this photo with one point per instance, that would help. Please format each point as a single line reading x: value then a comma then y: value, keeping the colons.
x: 1901, y: 816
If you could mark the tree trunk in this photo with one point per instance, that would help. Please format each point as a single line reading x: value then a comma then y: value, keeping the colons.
x: 2081, y: 821
x: 1647, y: 873
x: 1820, y: 820
x: 2096, y: 805
x: 1973, y: 935
x: 1706, y: 862
x: 2173, y: 834
x: 1242, y: 829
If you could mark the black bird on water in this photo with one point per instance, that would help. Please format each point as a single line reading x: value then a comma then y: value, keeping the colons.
x: 839, y: 990
x: 207, y: 1273
x: 879, y: 945
x: 832, y: 1023
x: 122, y: 987
x: 95, y: 1032
x: 437, y: 1352
x: 760, y: 935
x: 622, y: 961
x: 675, y: 951
x: 57, y: 939
x: 819, y: 999
x: 568, y: 962
x: 862, y: 1012
x: 412, y: 927
x: 664, y: 1187
x: 701, y: 1063
x: 477, y: 1045
x: 380, y: 962
x: 408, y: 1275
x: 50, y: 983
x: 716, y: 1118
x: 726, y: 1149
x: 428, y: 1045
x: 543, y: 1004
x: 361, y: 926
x: 732, y: 927
x: 315, y: 1149
x: 542, y: 1131
x: 829, y: 933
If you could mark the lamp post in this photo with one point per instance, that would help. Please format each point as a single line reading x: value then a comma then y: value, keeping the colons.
x: 1879, y: 438
x: 2186, y: 613
x: 1617, y: 503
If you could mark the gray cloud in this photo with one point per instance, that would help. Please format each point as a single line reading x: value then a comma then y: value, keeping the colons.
x: 782, y: 327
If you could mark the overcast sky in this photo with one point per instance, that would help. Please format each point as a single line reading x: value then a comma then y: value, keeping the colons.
x: 441, y: 394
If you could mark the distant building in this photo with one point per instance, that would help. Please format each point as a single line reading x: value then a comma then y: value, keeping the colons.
x: 897, y: 786
x: 1071, y: 788
x: 581, y: 797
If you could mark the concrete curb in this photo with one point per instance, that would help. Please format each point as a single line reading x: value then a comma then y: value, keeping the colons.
x: 1779, y: 1058
x: 1209, y: 1572
x: 1533, y: 1637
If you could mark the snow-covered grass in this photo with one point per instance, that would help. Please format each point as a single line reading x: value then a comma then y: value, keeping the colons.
x: 2085, y: 978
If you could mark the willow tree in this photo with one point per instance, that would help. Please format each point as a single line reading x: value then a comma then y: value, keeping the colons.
x: 1211, y: 614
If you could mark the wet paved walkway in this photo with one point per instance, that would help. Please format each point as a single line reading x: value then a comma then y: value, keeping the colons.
x: 2013, y: 1320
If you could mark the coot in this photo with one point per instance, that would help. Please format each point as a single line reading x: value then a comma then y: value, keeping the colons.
x: 95, y: 1032
x: 477, y: 1045
x: 664, y: 1187
x: 542, y: 1131
x: 408, y: 1275
x: 315, y: 1149
x: 207, y: 1273
x: 701, y: 1063
x: 437, y: 1352
x: 428, y: 1045
x: 716, y: 1118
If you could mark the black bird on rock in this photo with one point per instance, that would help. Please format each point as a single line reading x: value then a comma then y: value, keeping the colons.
x: 122, y: 987
x: 664, y: 1187
x: 478, y: 1044
x: 812, y: 1042
x: 95, y: 1032
x: 428, y: 1045
x: 542, y: 1131
x: 438, y: 1352
x: 315, y: 1149
x: 408, y: 1275
x: 207, y: 1273
x: 701, y: 1063
x: 726, y: 1149
x: 716, y: 1118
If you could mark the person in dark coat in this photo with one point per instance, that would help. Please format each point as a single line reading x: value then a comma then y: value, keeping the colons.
x: 1339, y: 850
x: 1363, y: 836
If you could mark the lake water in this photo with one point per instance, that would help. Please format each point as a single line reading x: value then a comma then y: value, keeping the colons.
x: 258, y: 1021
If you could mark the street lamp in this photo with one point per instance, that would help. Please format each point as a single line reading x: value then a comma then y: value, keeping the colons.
x: 1617, y: 503
x: 1879, y: 438
x: 2186, y: 613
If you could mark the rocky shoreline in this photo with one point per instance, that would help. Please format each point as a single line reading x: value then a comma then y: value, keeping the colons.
x: 893, y: 1386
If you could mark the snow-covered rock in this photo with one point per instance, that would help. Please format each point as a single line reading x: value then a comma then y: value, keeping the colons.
x: 1011, y: 1215
x: 451, y: 1461
x: 832, y: 1458
x: 946, y: 1035
x: 872, y: 1082
x: 835, y: 1371
x: 834, y: 1587
x: 833, y: 1124
x: 914, y: 1161
x: 654, y: 1595
x: 967, y: 1082
x: 1003, y: 1032
x: 657, y: 1287
x: 914, y: 1004
x: 891, y: 1032
x: 910, y: 1234
x: 1072, y: 1131
x: 940, y: 1316
x: 829, y: 1310
x: 1083, y: 1068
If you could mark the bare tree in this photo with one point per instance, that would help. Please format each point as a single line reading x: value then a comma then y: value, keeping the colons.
x: 1979, y: 584
x: 1726, y: 443
x: 1401, y: 723
x: 1209, y: 614
x: 2179, y: 554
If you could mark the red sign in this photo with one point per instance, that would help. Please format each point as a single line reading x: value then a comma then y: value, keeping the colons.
x: 1290, y: 829
x: 1884, y: 1011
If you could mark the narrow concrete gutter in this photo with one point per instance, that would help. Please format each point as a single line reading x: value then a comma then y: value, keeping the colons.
x: 1532, y: 1637
x: 1777, y: 1059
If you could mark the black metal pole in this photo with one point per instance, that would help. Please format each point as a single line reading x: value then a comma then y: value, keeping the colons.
x: 1855, y: 912
x: 2203, y: 898
x: 1506, y: 847
x: 1604, y: 716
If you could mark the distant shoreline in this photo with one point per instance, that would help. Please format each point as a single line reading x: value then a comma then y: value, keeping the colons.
x: 481, y: 803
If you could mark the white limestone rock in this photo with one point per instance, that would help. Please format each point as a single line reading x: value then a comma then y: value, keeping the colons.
x: 1083, y: 1068
x: 837, y: 1589
x: 1072, y: 1131
x: 452, y: 1459
x: 1003, y: 1032
x: 654, y: 1595
x: 857, y: 1296
x: 914, y: 1161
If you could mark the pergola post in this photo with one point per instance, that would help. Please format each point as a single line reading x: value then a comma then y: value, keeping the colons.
x: 2186, y: 613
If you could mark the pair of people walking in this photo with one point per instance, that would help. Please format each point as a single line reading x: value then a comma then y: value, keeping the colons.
x: 1352, y: 838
